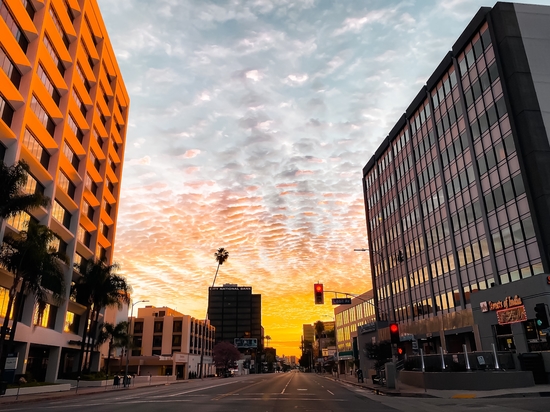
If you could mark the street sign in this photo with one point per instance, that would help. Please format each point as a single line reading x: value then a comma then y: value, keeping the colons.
x: 341, y: 301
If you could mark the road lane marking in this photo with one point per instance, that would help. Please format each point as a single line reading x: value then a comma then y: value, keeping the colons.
x: 284, y: 389
x: 330, y: 392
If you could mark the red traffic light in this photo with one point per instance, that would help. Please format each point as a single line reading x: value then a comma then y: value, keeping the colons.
x: 400, y: 351
x: 319, y: 294
x: 394, y: 333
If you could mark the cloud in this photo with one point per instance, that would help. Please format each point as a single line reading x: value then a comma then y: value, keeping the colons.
x: 146, y: 160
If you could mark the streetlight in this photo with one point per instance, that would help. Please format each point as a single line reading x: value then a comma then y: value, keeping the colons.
x: 128, y: 341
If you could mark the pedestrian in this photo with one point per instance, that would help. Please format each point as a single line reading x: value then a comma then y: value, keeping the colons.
x: 360, y: 376
x: 116, y: 381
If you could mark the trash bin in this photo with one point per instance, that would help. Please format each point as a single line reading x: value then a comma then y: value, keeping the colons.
x: 3, y: 387
x: 533, y: 362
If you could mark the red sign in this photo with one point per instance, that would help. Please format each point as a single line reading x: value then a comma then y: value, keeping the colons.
x: 548, y: 280
x: 512, y: 315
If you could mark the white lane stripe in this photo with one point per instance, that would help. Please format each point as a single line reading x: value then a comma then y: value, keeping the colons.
x: 330, y: 392
x: 284, y: 389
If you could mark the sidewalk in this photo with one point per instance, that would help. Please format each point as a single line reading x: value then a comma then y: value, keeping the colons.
x: 82, y: 391
x: 411, y: 391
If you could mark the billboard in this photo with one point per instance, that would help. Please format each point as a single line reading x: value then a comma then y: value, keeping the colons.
x: 246, y: 343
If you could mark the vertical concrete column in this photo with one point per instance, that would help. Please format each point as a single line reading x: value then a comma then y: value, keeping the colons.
x: 477, y: 338
x: 22, y: 351
x: 520, y: 339
x: 53, y: 364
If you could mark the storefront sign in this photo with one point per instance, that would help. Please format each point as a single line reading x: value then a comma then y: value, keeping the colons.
x: 368, y: 327
x: 511, y: 315
x: 508, y: 302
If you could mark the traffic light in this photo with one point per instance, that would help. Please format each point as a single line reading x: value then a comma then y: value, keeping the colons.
x: 319, y: 294
x: 541, y: 316
x: 400, y: 351
x: 394, y: 333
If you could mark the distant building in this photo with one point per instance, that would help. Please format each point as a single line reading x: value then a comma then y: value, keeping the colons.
x: 64, y: 111
x: 167, y: 342
x: 457, y: 195
x: 349, y: 320
x: 308, y: 333
x: 236, y: 313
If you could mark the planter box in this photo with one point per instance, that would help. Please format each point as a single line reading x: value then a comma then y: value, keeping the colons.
x: 476, y: 380
x: 86, y: 384
x: 38, y: 389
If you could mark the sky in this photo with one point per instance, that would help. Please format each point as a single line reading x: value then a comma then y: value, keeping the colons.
x: 250, y: 123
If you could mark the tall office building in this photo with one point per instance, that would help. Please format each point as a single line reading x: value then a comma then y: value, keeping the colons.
x: 64, y: 110
x: 457, y: 196
x: 235, y: 312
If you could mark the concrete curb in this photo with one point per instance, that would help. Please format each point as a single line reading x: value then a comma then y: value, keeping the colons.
x: 48, y: 396
x: 380, y: 390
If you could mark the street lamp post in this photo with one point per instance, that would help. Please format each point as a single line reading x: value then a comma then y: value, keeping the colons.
x: 128, y: 341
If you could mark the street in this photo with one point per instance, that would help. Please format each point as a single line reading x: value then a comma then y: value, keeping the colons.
x: 269, y: 393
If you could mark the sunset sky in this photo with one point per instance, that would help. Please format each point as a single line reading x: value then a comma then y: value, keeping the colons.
x: 250, y: 123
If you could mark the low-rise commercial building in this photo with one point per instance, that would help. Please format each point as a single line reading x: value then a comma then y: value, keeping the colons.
x: 167, y: 342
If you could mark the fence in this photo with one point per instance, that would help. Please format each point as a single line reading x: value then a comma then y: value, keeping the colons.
x: 456, y: 362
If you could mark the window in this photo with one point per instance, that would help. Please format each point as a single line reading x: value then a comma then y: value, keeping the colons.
x: 83, y: 78
x: 74, y: 127
x: 6, y: 111
x: 108, y: 208
x: 138, y: 327
x: 61, y: 214
x: 13, y: 26
x: 95, y: 161
x: 53, y: 54
x: 42, y: 115
x: 72, y: 322
x: 90, y: 184
x: 158, y: 327
x: 79, y: 103
x: 88, y: 210
x: 177, y: 326
x: 176, y: 340
x: 35, y: 147
x: 59, y: 28
x: 48, y: 84
x: 71, y: 155
x: 65, y: 183
x: 83, y: 236
x: 19, y: 221
x: 69, y: 10
x: 104, y: 229
x: 9, y: 68
x: 33, y: 186
x: 44, y: 315
x: 157, y: 341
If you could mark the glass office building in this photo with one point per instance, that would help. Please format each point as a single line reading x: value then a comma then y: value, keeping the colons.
x: 457, y: 195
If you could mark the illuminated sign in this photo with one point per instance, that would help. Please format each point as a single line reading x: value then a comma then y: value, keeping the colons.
x: 508, y: 302
x: 246, y: 343
x: 511, y: 315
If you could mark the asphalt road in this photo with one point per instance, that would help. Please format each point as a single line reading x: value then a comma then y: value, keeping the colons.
x: 283, y: 392
x: 280, y: 392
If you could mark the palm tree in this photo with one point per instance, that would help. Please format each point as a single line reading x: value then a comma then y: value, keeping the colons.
x: 117, y: 336
x: 98, y: 287
x: 221, y: 256
x: 13, y: 200
x: 37, y: 271
x: 319, y: 328
x: 267, y: 338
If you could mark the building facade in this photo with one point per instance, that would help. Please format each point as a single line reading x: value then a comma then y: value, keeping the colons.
x: 63, y: 110
x: 167, y: 342
x: 236, y: 313
x: 456, y: 197
x: 350, y: 321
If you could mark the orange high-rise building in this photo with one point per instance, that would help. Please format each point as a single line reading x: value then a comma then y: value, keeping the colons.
x: 64, y: 110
